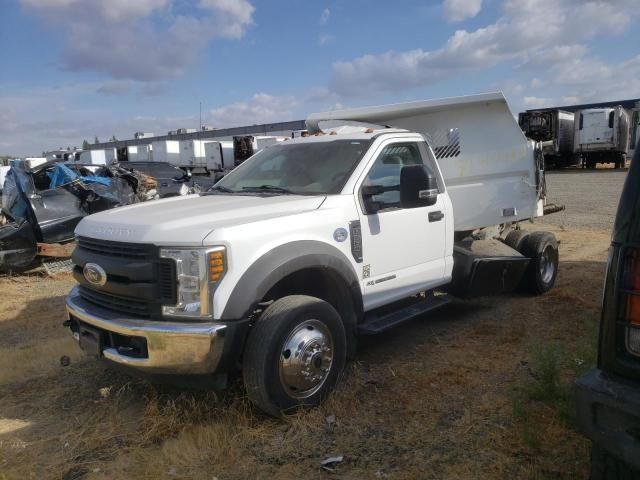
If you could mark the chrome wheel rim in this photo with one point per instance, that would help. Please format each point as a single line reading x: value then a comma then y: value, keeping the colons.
x: 547, y: 264
x: 306, y: 358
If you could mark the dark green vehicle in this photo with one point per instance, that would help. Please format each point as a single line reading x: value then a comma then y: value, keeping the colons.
x: 608, y: 397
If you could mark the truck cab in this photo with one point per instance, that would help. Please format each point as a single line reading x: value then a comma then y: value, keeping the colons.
x: 278, y: 268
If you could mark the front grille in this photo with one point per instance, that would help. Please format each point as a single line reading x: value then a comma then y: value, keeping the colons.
x: 138, y: 283
x: 117, y: 303
x: 167, y: 282
x: 116, y: 249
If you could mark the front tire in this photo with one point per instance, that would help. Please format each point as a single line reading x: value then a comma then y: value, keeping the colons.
x: 294, y: 354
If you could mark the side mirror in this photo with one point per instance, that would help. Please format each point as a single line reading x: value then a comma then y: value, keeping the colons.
x: 418, y: 187
x: 368, y: 192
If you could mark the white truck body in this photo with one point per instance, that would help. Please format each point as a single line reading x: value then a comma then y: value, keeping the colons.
x: 93, y: 157
x: 132, y: 153
x: 488, y: 164
x: 602, y: 129
x: 166, y: 151
x: 143, y: 153
x: 357, y: 217
x: 219, y: 155
x: 111, y: 155
x: 192, y: 154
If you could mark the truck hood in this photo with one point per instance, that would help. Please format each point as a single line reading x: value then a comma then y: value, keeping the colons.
x: 186, y: 221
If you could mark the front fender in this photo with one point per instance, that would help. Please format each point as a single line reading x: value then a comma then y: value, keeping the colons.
x: 282, y: 261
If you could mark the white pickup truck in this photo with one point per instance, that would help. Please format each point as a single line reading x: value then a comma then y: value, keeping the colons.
x: 374, y: 219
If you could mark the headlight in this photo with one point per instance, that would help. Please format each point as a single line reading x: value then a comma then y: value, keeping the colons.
x: 197, y: 273
x: 184, y: 190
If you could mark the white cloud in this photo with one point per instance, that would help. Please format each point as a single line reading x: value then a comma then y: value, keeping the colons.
x: 324, y: 17
x: 537, y: 102
x: 324, y: 39
x: 260, y: 108
x: 528, y: 30
x: 458, y: 10
x: 125, y: 40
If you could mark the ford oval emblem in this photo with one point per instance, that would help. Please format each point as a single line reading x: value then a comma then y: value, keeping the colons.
x: 94, y: 274
x: 340, y: 234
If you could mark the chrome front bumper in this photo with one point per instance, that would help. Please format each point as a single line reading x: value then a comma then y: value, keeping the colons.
x: 172, y: 347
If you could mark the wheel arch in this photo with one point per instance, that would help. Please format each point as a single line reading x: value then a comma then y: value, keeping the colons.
x: 302, y: 267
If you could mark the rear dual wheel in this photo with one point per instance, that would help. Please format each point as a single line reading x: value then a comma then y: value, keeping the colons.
x: 294, y: 354
x: 542, y: 250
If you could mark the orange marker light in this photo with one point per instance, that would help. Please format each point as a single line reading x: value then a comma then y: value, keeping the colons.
x: 216, y: 265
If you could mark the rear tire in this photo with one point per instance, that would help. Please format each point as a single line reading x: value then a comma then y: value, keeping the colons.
x: 515, y: 239
x: 294, y: 355
x: 604, y: 466
x: 542, y: 249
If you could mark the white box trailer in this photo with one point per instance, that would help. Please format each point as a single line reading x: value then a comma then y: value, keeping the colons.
x: 144, y: 153
x: 192, y: 154
x: 132, y: 153
x: 602, y: 136
x: 166, y: 151
x: 219, y: 156
x: 93, y: 157
x: 111, y: 155
x: 494, y: 174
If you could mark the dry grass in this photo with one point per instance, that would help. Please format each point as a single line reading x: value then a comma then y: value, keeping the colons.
x: 456, y: 395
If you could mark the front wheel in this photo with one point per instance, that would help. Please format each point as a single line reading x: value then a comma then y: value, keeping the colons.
x: 294, y: 354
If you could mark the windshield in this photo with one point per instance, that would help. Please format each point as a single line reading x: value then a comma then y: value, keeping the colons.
x: 300, y: 168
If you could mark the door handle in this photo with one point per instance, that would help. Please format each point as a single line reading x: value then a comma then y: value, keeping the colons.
x: 436, y: 216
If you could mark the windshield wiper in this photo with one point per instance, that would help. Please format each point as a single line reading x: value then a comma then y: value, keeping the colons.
x: 270, y: 188
x: 220, y: 188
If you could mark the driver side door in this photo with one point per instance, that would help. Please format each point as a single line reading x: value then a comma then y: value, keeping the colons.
x: 404, y: 249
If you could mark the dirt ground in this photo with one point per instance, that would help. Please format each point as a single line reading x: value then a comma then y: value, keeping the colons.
x: 478, y: 390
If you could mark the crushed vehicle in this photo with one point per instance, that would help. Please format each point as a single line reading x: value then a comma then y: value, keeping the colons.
x: 378, y: 216
x: 608, y: 397
x: 171, y: 181
x: 42, y: 206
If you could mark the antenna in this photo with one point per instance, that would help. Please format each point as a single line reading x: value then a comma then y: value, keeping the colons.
x: 200, y: 117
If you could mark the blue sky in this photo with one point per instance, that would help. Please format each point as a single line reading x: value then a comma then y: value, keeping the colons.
x: 73, y: 69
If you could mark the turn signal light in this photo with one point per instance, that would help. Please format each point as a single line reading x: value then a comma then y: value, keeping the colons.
x: 216, y: 265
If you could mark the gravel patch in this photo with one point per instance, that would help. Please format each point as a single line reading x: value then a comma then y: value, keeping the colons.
x: 590, y: 197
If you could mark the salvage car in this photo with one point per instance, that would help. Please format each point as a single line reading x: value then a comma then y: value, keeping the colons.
x: 42, y: 206
x: 608, y: 397
x: 171, y: 181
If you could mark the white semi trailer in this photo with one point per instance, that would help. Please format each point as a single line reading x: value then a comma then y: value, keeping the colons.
x: 166, y: 151
x: 602, y: 136
x: 219, y: 157
x: 93, y: 157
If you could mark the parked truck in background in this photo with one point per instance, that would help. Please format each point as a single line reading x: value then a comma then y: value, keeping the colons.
x: 166, y: 151
x: 372, y: 220
x: 219, y: 157
x: 602, y: 136
x: 554, y: 129
x: 92, y: 157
